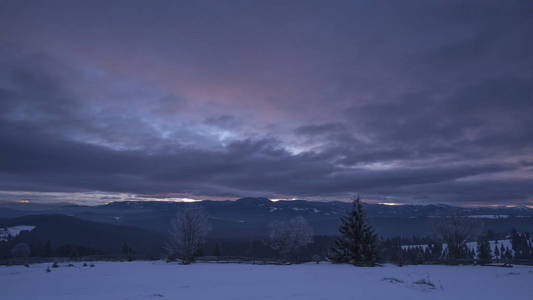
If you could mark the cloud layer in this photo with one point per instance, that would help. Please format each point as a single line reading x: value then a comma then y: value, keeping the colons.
x: 416, y: 102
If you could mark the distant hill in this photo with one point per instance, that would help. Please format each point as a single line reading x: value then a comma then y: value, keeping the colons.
x: 61, y: 230
x: 248, y: 218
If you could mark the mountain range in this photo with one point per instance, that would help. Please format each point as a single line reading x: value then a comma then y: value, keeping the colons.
x: 249, y: 217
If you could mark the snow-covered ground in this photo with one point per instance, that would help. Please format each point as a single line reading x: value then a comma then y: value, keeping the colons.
x: 159, y: 280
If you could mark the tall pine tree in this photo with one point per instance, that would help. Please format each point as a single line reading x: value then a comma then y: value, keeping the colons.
x: 357, y: 243
x: 484, y: 252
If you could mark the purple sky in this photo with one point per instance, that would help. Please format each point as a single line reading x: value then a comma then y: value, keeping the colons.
x: 399, y: 101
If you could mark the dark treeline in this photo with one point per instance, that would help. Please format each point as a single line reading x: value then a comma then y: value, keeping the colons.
x: 45, y: 249
x: 415, y: 250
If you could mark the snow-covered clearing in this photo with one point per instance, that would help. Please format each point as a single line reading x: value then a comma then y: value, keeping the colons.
x: 155, y: 280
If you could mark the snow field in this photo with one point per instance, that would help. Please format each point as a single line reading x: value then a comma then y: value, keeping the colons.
x: 160, y: 280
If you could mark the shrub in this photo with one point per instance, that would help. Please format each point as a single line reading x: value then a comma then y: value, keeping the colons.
x: 425, y: 282
x: 392, y: 280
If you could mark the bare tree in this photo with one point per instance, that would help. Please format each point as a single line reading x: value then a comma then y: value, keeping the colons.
x: 287, y: 236
x: 187, y: 233
x: 455, y: 231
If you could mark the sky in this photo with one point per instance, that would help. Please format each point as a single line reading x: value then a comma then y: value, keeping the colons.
x: 417, y: 102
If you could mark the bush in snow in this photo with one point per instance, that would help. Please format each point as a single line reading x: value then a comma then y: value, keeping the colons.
x: 425, y: 282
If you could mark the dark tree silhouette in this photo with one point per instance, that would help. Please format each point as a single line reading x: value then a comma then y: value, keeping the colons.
x: 357, y: 243
x: 187, y: 233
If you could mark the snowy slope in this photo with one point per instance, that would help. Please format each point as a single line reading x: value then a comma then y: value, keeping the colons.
x: 13, y: 231
x: 159, y: 280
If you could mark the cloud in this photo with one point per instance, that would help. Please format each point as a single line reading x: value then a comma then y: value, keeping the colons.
x: 229, y: 99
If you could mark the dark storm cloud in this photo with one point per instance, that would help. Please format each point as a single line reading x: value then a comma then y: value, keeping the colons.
x: 419, y: 101
x: 244, y: 166
x: 487, y: 119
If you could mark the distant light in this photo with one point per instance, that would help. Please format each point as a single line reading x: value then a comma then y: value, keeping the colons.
x: 188, y: 200
x: 390, y: 203
x: 283, y: 199
x: 180, y: 200
x: 23, y: 201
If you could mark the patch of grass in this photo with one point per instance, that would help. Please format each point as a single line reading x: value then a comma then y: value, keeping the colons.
x: 513, y: 273
x: 91, y: 265
x: 55, y: 265
x: 392, y: 280
x: 48, y: 270
x: 158, y: 295
x: 425, y: 282
x: 70, y: 265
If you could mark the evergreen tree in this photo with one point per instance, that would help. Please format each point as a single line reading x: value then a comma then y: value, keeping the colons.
x: 521, y: 245
x: 470, y: 253
x: 126, y: 250
x: 497, y: 251
x: 484, y: 253
x: 419, y: 258
x: 47, y: 249
x: 217, y: 251
x: 528, y: 245
x: 516, y: 243
x: 508, y: 254
x: 436, y: 251
x: 357, y: 243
